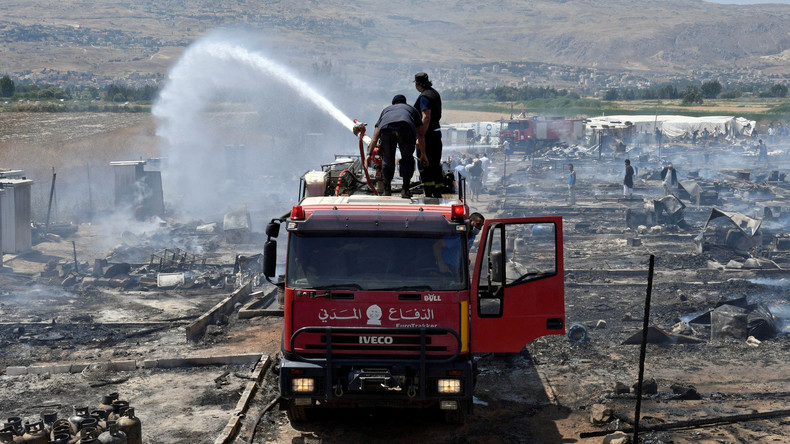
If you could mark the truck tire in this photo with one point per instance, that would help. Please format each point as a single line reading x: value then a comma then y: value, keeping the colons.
x: 457, y: 416
x: 296, y: 413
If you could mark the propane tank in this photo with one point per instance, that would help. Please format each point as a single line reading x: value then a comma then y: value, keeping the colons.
x: 62, y: 438
x: 35, y: 433
x: 80, y: 415
x: 15, y: 425
x: 60, y: 427
x: 6, y: 435
x: 49, y: 417
x: 113, y: 435
x: 101, y: 419
x: 132, y: 427
x: 88, y: 435
x: 106, y: 403
x: 117, y: 409
x: 90, y: 423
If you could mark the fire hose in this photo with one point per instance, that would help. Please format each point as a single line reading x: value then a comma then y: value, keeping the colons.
x: 359, y: 130
x: 340, y: 180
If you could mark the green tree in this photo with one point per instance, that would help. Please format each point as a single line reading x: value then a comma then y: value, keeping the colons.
x: 691, y: 95
x: 668, y: 92
x: 779, y: 90
x: 611, y: 94
x: 6, y: 87
x: 711, y: 89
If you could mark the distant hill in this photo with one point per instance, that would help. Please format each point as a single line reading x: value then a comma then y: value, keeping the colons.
x: 385, y: 40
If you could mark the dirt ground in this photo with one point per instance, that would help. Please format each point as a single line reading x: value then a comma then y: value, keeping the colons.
x: 542, y: 395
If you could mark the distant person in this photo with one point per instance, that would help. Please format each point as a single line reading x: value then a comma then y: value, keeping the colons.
x: 658, y: 137
x: 397, y: 126
x: 485, y: 163
x: 694, y: 135
x: 571, y: 185
x: 506, y: 149
x: 460, y: 172
x: 628, y: 181
x: 476, y: 221
x: 476, y: 179
x: 429, y: 105
x: 705, y: 135
x: 762, y: 152
x: 669, y: 179
x: 454, y: 161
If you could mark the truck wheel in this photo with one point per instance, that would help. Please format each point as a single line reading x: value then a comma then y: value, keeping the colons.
x: 457, y: 416
x: 296, y: 413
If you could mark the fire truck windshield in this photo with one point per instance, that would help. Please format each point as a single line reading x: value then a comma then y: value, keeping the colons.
x: 377, y: 261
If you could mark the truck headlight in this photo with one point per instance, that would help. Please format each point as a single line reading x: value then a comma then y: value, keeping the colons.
x: 446, y: 386
x: 302, y: 385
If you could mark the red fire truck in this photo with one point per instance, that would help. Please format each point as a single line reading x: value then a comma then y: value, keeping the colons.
x: 383, y: 307
x: 527, y: 135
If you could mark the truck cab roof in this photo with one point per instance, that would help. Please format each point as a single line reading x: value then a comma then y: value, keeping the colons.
x: 443, y: 206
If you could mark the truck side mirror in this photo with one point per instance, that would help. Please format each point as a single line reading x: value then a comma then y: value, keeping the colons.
x: 270, y: 256
x: 273, y: 229
x: 496, y: 266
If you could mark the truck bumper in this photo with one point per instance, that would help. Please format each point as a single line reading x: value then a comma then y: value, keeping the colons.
x: 449, y: 385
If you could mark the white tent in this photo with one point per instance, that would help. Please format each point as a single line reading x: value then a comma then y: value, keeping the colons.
x: 676, y: 127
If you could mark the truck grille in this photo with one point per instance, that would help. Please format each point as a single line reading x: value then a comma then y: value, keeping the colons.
x: 400, y: 343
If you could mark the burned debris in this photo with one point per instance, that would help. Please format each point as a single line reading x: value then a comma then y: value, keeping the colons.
x: 175, y: 286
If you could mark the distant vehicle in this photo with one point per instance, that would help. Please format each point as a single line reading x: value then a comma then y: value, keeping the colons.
x: 530, y: 134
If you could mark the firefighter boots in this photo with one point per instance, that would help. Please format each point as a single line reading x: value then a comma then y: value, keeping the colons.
x: 387, y: 188
x: 405, y: 192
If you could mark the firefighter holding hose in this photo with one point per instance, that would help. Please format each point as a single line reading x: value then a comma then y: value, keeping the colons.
x: 397, y: 126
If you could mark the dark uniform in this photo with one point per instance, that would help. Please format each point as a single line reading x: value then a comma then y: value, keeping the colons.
x: 432, y: 174
x: 397, y: 126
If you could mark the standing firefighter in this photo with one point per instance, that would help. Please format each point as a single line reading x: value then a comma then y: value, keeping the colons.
x: 429, y: 104
x: 397, y: 125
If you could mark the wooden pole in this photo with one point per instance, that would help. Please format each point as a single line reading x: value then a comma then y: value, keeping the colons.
x: 51, y: 195
x: 643, y: 349
x: 76, y: 264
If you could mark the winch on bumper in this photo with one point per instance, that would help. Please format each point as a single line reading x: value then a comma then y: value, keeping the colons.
x: 419, y: 380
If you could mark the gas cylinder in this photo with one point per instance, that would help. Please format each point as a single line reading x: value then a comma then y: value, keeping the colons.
x: 6, y: 435
x: 132, y: 426
x: 62, y: 438
x: 89, y: 440
x: 60, y: 427
x: 113, y: 435
x: 90, y: 423
x: 15, y: 425
x: 118, y: 407
x: 80, y: 415
x: 49, y: 417
x: 106, y: 403
x: 88, y: 435
x: 35, y: 433
x: 101, y: 419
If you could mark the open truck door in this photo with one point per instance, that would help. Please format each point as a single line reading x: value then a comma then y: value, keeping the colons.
x: 518, y: 290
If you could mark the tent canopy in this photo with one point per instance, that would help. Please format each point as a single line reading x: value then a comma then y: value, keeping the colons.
x: 677, y: 127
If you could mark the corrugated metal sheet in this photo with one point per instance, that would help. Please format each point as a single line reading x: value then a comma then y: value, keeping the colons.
x: 16, y: 214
